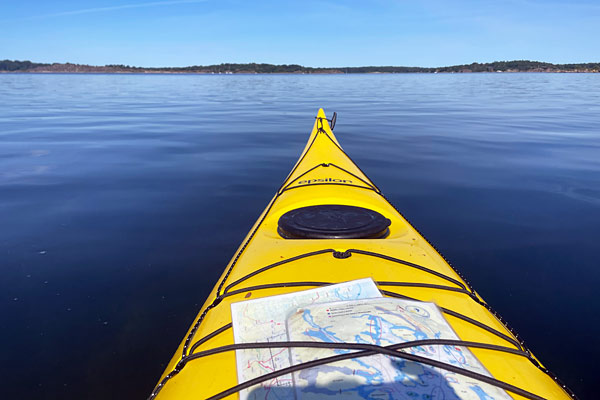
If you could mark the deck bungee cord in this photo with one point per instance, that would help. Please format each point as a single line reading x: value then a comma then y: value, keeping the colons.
x: 367, y: 350
x: 349, y: 178
x: 461, y: 289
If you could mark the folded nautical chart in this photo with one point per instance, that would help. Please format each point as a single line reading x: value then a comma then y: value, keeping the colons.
x: 264, y: 320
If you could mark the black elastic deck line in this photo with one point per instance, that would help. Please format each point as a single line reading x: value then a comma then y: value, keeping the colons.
x: 275, y: 286
x: 186, y: 358
x: 343, y: 255
x: 183, y: 360
x: 465, y: 289
x: 379, y: 283
x: 329, y: 184
x: 217, y: 299
x: 351, y: 346
x: 283, y: 188
x: 357, y: 177
x: 278, y: 263
x: 370, y: 186
x: 407, y: 263
x: 424, y: 285
x: 351, y: 160
x: 319, y: 284
x: 347, y: 252
x: 367, y: 350
x: 390, y: 294
x: 210, y: 336
x: 460, y: 316
x: 475, y: 297
x: 299, y: 161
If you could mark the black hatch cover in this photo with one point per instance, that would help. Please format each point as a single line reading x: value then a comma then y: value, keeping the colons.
x: 333, y: 221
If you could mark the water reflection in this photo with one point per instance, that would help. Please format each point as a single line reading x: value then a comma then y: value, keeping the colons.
x: 123, y: 197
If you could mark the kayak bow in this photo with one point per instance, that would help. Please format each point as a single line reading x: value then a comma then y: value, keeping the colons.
x: 328, y: 223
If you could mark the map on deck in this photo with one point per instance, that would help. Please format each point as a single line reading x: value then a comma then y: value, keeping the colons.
x: 382, y: 322
x: 264, y: 319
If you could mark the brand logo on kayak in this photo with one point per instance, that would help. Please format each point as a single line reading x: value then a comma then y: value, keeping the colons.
x: 323, y: 180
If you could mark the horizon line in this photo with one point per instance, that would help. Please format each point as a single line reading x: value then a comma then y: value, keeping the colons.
x: 300, y: 65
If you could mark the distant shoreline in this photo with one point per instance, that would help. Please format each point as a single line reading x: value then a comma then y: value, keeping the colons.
x: 279, y: 73
x: 9, y: 66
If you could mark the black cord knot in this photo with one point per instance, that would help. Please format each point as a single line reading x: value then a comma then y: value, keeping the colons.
x: 179, y: 366
x: 342, y: 254
x: 217, y: 300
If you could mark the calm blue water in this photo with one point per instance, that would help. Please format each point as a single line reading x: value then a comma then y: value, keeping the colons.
x: 122, y: 197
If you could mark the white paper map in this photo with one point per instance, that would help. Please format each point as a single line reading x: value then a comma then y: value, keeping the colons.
x: 382, y: 321
x: 264, y: 319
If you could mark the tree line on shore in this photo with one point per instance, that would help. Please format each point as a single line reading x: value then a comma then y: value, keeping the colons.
x: 497, y: 66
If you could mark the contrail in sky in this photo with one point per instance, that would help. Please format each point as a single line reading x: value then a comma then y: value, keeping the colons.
x: 114, y: 8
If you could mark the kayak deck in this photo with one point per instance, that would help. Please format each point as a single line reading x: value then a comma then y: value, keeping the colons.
x: 403, y: 264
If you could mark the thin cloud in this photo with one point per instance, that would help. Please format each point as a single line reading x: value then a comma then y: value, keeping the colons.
x: 116, y: 8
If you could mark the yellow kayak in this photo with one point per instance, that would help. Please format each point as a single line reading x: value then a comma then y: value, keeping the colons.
x: 327, y: 224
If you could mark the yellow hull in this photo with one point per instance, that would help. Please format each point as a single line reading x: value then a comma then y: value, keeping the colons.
x: 403, y: 264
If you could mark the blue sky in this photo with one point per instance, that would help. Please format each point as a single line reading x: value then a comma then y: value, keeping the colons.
x: 311, y: 33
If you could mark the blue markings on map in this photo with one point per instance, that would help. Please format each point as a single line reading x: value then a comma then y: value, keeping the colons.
x: 382, y: 322
x: 373, y: 376
x: 480, y: 393
x: 318, y: 332
x: 345, y: 295
x: 265, y: 319
x: 455, y: 355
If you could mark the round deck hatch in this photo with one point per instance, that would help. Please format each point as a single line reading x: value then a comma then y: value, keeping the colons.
x: 333, y: 221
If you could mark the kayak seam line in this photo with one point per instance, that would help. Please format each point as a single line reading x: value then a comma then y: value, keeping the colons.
x: 217, y: 299
x: 521, y: 342
x: 352, y: 161
x: 398, y: 211
x: 283, y: 188
x: 182, y: 363
x: 429, y: 243
x: 299, y: 160
x: 242, y: 249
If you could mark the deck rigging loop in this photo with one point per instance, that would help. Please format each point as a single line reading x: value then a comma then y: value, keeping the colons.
x: 333, y: 120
